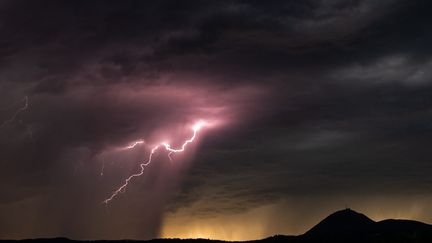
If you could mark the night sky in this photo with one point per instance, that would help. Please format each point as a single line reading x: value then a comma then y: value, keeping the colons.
x: 315, y: 105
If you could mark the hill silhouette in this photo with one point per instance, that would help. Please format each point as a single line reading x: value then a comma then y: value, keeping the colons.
x: 350, y: 226
x: 344, y: 222
x: 342, y: 226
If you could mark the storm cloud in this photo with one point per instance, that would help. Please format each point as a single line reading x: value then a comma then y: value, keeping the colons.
x: 318, y: 101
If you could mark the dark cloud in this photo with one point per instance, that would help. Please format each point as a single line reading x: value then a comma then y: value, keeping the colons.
x: 320, y: 99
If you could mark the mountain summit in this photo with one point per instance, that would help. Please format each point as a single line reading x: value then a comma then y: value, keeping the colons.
x: 346, y: 221
x: 350, y: 226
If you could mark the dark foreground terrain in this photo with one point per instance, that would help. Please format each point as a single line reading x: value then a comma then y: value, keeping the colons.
x: 341, y: 226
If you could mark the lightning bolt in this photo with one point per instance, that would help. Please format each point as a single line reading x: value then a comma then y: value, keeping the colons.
x: 133, y: 145
x: 22, y: 109
x: 196, y: 128
x: 20, y: 121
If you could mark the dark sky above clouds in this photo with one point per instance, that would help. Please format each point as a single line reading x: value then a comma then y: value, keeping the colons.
x: 322, y: 104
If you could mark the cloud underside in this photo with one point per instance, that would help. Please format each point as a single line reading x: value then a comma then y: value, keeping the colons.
x: 318, y: 101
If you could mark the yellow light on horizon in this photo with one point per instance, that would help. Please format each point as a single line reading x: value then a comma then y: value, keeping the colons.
x: 282, y: 217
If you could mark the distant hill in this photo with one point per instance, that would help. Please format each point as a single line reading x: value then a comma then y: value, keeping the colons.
x: 349, y: 226
x: 344, y: 222
x: 342, y: 226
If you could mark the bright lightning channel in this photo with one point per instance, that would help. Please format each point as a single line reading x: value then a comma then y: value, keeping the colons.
x: 195, y: 128
x: 134, y: 144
